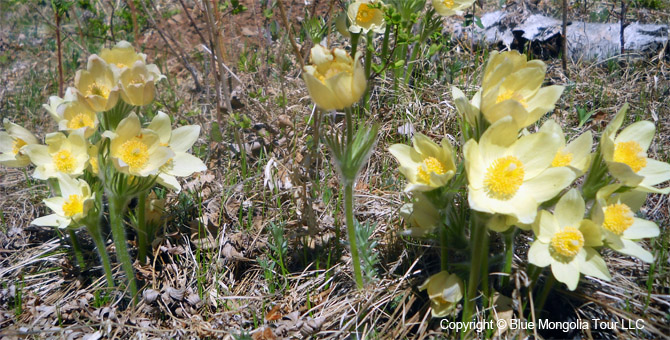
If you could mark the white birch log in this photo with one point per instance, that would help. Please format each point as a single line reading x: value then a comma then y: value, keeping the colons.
x: 586, y: 41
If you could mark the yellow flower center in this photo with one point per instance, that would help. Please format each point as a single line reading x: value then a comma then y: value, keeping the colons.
x: 120, y: 65
x: 73, y: 205
x: 64, y: 162
x: 561, y: 159
x: 135, y: 153
x: 96, y: 89
x: 430, y: 164
x: 333, y: 69
x: 567, y: 242
x: 504, y: 177
x: 17, y: 145
x: 448, y: 3
x: 365, y: 14
x: 509, y: 94
x: 630, y: 153
x: 618, y: 218
x: 79, y: 121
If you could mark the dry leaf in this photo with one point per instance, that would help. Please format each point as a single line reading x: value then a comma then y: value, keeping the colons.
x: 273, y: 314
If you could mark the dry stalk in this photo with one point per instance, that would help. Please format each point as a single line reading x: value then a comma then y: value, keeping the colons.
x: 284, y: 19
x: 133, y: 17
x: 59, y: 43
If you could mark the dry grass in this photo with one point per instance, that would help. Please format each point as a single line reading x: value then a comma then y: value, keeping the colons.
x: 206, y: 279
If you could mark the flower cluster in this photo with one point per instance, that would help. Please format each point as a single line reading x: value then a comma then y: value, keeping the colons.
x: 514, y: 178
x: 101, y: 142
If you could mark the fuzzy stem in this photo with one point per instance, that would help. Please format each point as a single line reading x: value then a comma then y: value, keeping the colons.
x: 478, y: 252
x: 369, y: 51
x: 142, y: 237
x: 94, y: 230
x: 548, y: 285
x: 117, y: 207
x: 351, y: 231
x: 444, y: 250
x: 509, y: 256
x: 79, y: 256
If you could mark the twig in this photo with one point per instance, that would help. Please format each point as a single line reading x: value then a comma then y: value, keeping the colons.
x: 190, y: 18
x: 623, y: 25
x: 60, y: 53
x: 133, y: 17
x: 564, y: 42
x: 179, y: 53
x: 111, y: 21
x: 218, y: 49
x: 284, y: 19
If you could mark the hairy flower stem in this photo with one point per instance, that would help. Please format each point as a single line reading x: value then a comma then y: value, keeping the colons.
x: 117, y: 207
x: 93, y: 229
x: 142, y: 238
x: 479, y: 238
x: 444, y: 250
x: 509, y: 255
x: 369, y: 51
x: 78, y: 255
x: 351, y: 231
x: 548, y: 285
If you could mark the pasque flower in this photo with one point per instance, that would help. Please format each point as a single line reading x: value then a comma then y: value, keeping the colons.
x: 565, y: 241
x: 12, y: 143
x: 365, y: 16
x: 445, y: 291
x: 616, y: 213
x: 123, y: 56
x: 73, y: 205
x: 62, y: 154
x: 511, y: 176
x: 137, y: 85
x: 626, y: 155
x: 97, y: 85
x: 137, y: 151
x: 512, y: 87
x: 576, y: 154
x: 334, y: 80
x: 75, y: 115
x: 179, y: 140
x: 451, y: 7
x: 426, y: 165
x: 421, y: 215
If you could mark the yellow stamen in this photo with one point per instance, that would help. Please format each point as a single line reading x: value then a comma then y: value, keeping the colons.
x: 430, y: 164
x: 630, y: 153
x: 567, y: 242
x: 79, y: 121
x: 365, y: 14
x: 64, y: 161
x: 504, y: 177
x: 135, y: 153
x: 96, y: 89
x: 618, y: 218
x: 509, y: 94
x: 73, y: 205
x: 561, y: 159
x: 17, y: 145
x: 448, y: 3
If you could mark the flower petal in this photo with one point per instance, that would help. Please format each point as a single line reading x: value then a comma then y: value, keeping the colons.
x: 594, y: 265
x: 538, y: 254
x: 184, y: 137
x: 641, y: 229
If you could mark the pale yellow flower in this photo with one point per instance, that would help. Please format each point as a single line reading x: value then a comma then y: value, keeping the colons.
x: 511, y: 176
x: 576, y: 154
x: 93, y: 159
x: 73, y: 205
x: 626, y: 155
x: 137, y: 85
x: 56, y: 101
x: 334, y: 80
x: 421, y: 215
x: 62, y: 154
x: 448, y: 8
x: 136, y: 151
x: 97, y: 85
x: 341, y: 25
x: 512, y: 87
x: 75, y: 115
x: 179, y: 140
x: 445, y: 291
x: 365, y: 17
x: 123, y: 56
x: 426, y: 165
x: 467, y: 109
x: 616, y: 213
x: 565, y: 240
x: 12, y: 143
x: 154, y: 209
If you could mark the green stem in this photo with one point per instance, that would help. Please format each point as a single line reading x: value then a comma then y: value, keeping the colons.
x: 350, y: 125
x: 412, y: 59
x: 509, y: 255
x: 79, y: 256
x: 117, y: 207
x: 484, y: 245
x: 478, y: 252
x: 142, y: 237
x: 385, y: 43
x: 444, y: 241
x: 548, y: 285
x: 94, y: 230
x: 351, y: 231
x: 354, y: 43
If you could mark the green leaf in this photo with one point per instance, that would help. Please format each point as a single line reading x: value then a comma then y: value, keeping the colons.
x: 215, y: 133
